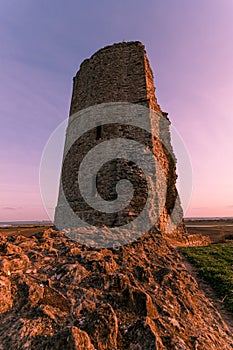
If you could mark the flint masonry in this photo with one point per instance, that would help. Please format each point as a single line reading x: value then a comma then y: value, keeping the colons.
x: 119, y: 73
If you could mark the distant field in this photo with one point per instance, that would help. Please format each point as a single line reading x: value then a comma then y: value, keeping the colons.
x: 27, y: 230
x: 215, y: 265
x: 217, y: 229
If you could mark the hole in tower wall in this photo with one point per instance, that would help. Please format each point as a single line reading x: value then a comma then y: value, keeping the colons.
x: 99, y: 132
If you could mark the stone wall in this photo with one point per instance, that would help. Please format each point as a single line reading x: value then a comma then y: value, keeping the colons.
x: 118, y: 73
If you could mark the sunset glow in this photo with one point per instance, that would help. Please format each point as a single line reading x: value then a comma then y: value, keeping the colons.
x: 190, y: 47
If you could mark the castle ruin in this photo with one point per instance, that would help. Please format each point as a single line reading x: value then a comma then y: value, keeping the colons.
x: 119, y: 73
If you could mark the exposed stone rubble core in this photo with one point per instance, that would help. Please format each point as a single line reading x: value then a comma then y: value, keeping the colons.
x: 56, y: 294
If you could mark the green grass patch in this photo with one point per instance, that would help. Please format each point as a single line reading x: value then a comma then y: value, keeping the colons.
x: 215, y: 265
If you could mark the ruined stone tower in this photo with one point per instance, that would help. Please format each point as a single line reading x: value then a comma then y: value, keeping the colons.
x: 59, y: 294
x: 117, y: 73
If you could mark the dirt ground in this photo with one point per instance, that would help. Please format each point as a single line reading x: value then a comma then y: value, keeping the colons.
x: 24, y: 230
x: 217, y: 230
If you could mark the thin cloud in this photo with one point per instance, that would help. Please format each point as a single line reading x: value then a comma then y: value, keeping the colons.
x: 11, y: 208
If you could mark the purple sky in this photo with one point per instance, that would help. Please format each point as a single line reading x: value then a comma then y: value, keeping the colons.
x: 190, y: 47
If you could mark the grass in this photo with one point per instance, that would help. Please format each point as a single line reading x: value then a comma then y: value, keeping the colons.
x: 215, y: 265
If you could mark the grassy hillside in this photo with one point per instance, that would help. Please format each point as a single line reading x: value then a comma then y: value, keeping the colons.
x: 215, y: 265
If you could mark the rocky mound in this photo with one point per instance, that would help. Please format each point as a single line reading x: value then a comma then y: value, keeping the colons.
x: 56, y: 294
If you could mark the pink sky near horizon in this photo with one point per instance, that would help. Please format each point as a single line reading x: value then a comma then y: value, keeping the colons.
x: 190, y: 47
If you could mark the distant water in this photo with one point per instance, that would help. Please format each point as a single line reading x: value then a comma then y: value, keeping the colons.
x: 17, y: 223
x: 210, y: 218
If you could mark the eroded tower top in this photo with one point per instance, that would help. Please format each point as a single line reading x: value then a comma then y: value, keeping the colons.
x: 116, y: 73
